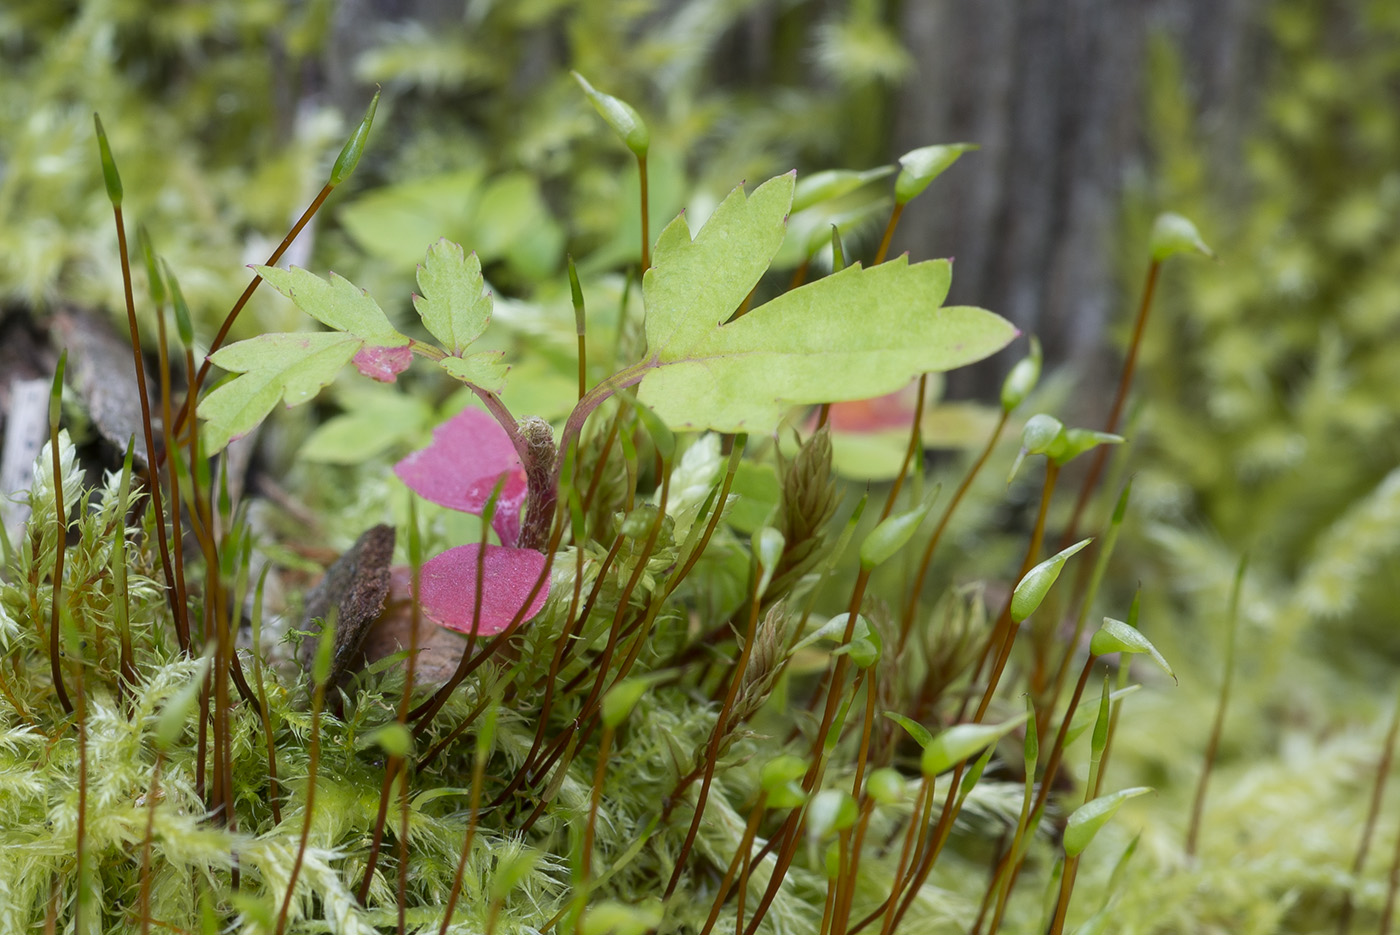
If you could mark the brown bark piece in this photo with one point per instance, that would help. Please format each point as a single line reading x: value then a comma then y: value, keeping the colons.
x: 355, y: 586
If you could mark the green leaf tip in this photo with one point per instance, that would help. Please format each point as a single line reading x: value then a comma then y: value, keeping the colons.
x: 865, y: 645
x: 610, y: 917
x: 183, y: 325
x: 56, y: 390
x: 831, y: 184
x: 830, y: 810
x: 170, y: 723
x: 1031, y: 590
x: 622, y: 698
x: 1046, y: 435
x: 962, y: 741
x: 576, y: 295
x: 110, y: 176
x: 148, y: 255
x: 1115, y: 636
x: 1022, y: 379
x: 620, y: 115
x: 354, y: 148
x: 394, y: 739
x: 885, y: 786
x: 919, y: 732
x: 919, y: 167
x: 779, y: 781
x: 1172, y: 234
x: 1088, y: 818
x: 894, y: 532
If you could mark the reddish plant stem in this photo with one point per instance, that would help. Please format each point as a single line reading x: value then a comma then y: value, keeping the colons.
x: 911, y: 607
x: 1392, y: 885
x: 561, y: 646
x: 918, y: 825
x: 218, y: 342
x: 1057, y: 925
x: 915, y: 434
x: 59, y: 546
x: 1125, y: 382
x: 80, y: 853
x: 1052, y: 765
x: 712, y: 748
x: 318, y: 698
x: 1372, y: 813
x: 846, y: 889
x: 274, y: 792
x: 788, y: 833
x: 745, y: 846
x: 144, y: 899
x: 181, y: 608
x: 182, y: 633
x: 1217, y: 727
x: 478, y: 776
x: 1003, y: 635
x: 595, y: 798
x: 889, y: 233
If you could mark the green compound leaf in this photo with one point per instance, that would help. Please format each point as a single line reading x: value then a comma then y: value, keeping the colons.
x: 856, y: 334
x: 454, y: 306
x: 338, y: 303
x: 695, y: 285
x: 484, y: 370
x: 289, y: 367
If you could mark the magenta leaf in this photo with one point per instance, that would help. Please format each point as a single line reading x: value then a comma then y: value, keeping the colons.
x: 468, y: 455
x: 383, y: 363
x: 449, y: 583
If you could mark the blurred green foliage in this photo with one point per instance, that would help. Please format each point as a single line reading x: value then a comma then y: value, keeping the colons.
x: 1270, y: 377
x: 224, y: 117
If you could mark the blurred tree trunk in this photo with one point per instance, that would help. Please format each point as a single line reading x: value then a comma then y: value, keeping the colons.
x: 1054, y: 91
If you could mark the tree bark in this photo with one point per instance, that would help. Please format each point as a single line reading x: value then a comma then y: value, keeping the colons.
x: 1054, y: 92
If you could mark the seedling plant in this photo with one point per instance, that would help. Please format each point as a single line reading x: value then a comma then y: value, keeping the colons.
x: 676, y: 697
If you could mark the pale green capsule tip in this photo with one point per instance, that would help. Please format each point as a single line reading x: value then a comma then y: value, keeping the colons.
x: 110, y: 176
x: 620, y: 115
x: 148, y: 254
x: 1172, y: 234
x: 921, y: 166
x: 349, y: 157
x: 1022, y: 379
x: 183, y: 326
x: 576, y: 293
x: 56, y: 391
